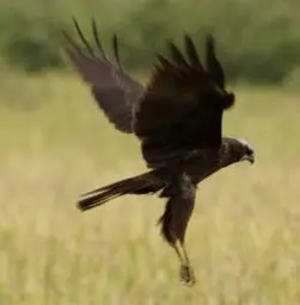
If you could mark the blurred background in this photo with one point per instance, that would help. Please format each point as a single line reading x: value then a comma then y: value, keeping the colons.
x: 55, y: 144
x: 253, y: 35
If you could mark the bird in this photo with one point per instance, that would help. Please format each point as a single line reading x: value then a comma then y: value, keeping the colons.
x: 177, y: 118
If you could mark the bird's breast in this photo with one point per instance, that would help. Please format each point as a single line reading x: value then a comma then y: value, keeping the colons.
x: 202, y: 165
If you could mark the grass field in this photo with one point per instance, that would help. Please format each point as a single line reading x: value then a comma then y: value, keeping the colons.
x: 243, y: 238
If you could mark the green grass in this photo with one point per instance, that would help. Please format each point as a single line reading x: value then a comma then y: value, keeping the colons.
x: 243, y: 238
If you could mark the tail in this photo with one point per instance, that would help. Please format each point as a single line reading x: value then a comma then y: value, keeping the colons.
x: 142, y: 184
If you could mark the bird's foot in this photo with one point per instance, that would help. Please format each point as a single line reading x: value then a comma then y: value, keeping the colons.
x: 187, y: 275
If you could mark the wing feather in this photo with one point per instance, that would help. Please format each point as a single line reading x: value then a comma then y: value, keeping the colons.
x: 181, y: 109
x: 192, y: 53
x: 114, y: 90
x: 116, y: 51
x: 177, y: 56
x: 97, y: 40
x: 212, y: 64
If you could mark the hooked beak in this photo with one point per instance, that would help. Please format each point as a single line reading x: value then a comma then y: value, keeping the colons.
x: 250, y: 158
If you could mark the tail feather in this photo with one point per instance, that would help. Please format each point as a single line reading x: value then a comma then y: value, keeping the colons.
x: 142, y: 184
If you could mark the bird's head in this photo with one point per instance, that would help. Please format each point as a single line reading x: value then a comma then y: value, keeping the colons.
x: 247, y: 151
x: 239, y: 150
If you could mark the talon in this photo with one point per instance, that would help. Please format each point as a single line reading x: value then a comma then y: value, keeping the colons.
x: 187, y: 275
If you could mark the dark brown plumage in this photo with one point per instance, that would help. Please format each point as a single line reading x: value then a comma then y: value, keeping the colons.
x: 115, y: 91
x: 178, y: 119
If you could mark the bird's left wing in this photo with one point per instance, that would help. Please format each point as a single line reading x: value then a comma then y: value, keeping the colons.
x: 114, y: 90
x: 183, y: 104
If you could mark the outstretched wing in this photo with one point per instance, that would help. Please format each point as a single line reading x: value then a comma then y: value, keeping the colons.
x: 182, y: 107
x: 114, y: 90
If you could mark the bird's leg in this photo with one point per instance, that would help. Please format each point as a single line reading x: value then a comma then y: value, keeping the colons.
x: 180, y: 256
x: 186, y: 270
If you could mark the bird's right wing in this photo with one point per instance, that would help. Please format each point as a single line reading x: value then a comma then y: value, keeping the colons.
x: 114, y: 90
x: 181, y: 110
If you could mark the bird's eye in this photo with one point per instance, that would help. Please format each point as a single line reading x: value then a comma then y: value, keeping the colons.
x: 249, y: 151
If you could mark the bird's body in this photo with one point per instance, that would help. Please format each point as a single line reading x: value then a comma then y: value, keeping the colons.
x: 178, y: 119
x: 195, y: 167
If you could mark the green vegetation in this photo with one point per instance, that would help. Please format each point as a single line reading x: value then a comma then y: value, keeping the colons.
x: 259, y: 40
x: 243, y: 238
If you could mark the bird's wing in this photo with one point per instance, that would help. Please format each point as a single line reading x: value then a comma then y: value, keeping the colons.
x: 183, y: 104
x: 114, y: 90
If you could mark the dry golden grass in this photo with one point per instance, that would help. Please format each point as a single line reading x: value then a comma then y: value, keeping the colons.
x: 243, y: 238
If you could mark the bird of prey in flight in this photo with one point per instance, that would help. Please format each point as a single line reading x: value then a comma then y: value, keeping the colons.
x: 177, y: 117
